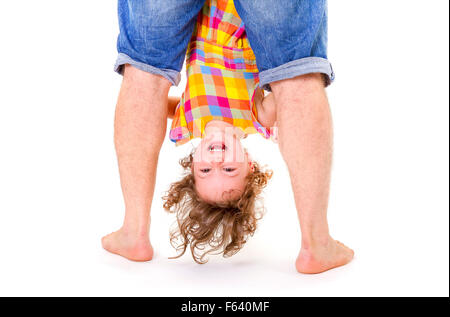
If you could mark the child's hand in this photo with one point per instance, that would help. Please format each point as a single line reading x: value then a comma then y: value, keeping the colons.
x: 265, y: 106
x: 172, y: 104
x: 274, y: 132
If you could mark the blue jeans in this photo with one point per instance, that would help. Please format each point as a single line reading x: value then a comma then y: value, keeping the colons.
x: 288, y: 37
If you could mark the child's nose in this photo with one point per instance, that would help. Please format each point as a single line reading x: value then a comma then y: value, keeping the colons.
x: 217, y: 157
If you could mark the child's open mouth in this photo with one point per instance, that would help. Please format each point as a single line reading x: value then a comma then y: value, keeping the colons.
x: 217, y: 147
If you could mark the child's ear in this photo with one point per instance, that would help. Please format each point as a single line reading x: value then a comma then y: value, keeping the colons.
x: 250, y: 161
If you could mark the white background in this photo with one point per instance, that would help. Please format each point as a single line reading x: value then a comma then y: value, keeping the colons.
x: 59, y: 183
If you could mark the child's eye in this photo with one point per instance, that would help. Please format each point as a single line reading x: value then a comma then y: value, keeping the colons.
x: 205, y: 170
x: 229, y: 169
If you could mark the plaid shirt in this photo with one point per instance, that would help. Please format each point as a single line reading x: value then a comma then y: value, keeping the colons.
x: 221, y: 76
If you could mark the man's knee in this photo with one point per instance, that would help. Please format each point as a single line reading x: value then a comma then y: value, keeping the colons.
x: 143, y: 100
x: 140, y: 78
x: 304, y: 98
x: 299, y: 85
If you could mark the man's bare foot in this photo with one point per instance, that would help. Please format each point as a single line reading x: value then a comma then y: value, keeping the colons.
x: 132, y: 247
x: 322, y: 258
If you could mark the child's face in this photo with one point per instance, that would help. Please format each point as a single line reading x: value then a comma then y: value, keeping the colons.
x: 220, y: 165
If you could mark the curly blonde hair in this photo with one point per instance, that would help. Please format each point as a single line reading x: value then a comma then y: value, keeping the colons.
x: 212, y: 228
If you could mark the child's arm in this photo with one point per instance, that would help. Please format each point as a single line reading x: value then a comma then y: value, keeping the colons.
x: 265, y: 106
x: 172, y: 105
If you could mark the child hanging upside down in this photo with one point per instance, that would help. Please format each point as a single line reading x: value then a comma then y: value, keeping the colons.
x: 216, y: 201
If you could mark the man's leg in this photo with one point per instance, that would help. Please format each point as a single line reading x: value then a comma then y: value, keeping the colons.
x: 305, y: 136
x: 139, y: 131
x: 289, y: 39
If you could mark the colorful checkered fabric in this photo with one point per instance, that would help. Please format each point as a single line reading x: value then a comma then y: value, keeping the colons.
x: 221, y: 76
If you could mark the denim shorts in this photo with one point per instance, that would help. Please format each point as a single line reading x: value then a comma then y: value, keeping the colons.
x: 288, y: 37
